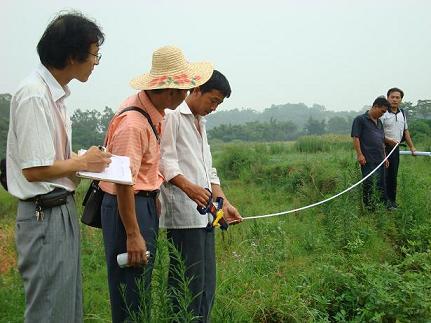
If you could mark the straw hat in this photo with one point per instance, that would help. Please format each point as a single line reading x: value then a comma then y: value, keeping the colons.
x: 170, y: 70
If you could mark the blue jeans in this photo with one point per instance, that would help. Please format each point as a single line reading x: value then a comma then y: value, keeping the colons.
x: 114, y: 237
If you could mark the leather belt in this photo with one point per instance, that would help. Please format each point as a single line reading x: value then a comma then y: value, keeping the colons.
x: 152, y: 194
x: 56, y: 197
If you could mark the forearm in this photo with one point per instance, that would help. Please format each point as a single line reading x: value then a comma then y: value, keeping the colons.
x: 60, y: 168
x: 409, y: 139
x: 217, y: 191
x: 182, y: 183
x: 93, y: 160
x: 195, y: 192
x: 357, y: 146
x: 126, y: 208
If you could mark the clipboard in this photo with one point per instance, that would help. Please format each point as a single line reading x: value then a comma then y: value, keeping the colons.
x: 118, y: 171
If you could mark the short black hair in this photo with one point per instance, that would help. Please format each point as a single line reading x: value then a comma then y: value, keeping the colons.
x: 381, y: 102
x: 68, y: 35
x: 218, y: 82
x: 395, y: 89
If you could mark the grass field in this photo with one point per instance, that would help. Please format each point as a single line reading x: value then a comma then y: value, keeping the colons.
x: 332, y: 263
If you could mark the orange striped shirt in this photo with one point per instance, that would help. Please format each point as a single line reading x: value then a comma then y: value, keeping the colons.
x: 131, y: 135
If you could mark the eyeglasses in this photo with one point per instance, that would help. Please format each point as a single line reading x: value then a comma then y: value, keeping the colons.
x: 98, y: 57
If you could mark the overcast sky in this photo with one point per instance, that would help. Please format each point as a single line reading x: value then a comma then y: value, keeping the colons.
x: 340, y: 54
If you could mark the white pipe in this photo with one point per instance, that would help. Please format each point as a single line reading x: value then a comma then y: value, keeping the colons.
x: 417, y: 153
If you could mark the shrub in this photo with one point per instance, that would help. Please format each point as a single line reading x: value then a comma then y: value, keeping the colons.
x: 325, y: 143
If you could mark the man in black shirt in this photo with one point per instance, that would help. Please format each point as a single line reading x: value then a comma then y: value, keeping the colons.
x: 369, y: 143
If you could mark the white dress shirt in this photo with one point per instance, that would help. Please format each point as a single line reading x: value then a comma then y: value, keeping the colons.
x: 394, y: 125
x: 184, y: 151
x: 39, y: 133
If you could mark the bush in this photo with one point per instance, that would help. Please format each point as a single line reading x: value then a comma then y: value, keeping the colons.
x: 325, y: 143
x: 238, y: 161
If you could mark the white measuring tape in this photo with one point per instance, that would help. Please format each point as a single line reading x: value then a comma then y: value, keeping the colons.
x: 324, y: 201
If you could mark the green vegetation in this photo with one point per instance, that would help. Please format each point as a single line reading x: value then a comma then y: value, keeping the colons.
x: 332, y: 263
x: 4, y: 121
x: 325, y: 143
x: 89, y: 127
x: 277, y: 123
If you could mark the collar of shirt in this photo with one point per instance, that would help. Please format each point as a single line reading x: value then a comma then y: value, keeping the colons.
x: 396, y: 112
x: 143, y: 101
x: 185, y: 109
x: 57, y: 91
x: 377, y: 123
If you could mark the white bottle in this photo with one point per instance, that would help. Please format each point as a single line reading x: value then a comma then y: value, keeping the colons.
x: 123, y: 259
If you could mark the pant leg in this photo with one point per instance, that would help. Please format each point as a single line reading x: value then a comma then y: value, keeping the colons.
x: 114, y: 236
x: 374, y: 186
x: 381, y: 184
x: 367, y: 185
x: 49, y: 263
x: 197, y: 249
x: 210, y: 277
x: 391, y: 173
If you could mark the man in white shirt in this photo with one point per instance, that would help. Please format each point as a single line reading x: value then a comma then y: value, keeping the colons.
x: 41, y: 168
x: 395, y: 127
x: 186, y: 164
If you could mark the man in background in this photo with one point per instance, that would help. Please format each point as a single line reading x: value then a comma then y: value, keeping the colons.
x: 395, y: 127
x: 186, y: 163
x: 369, y: 143
x: 41, y: 169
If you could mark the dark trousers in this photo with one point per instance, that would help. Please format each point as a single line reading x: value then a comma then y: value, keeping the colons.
x: 114, y: 236
x: 197, y: 250
x: 391, y: 174
x: 377, y: 180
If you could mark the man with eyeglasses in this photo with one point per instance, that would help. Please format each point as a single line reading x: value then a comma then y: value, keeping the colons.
x: 41, y: 170
x: 396, y: 129
x: 97, y: 57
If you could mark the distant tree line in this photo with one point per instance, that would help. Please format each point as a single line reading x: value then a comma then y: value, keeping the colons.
x: 89, y: 127
x: 277, y: 123
x: 275, y: 130
x: 316, y: 121
x: 4, y: 121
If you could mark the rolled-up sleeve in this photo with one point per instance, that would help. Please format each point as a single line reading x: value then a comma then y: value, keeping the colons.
x: 169, y: 166
x: 214, y: 177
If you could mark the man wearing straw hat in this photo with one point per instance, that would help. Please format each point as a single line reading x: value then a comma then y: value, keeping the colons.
x: 186, y: 163
x: 129, y: 218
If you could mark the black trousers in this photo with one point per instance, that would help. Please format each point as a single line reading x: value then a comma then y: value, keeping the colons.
x: 197, y: 249
x: 377, y: 180
x: 133, y: 278
x: 391, y: 174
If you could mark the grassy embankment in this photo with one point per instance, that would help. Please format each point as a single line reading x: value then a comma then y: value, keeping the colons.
x: 334, y: 262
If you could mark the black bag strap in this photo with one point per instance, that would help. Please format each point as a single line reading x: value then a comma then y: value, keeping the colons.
x: 3, y: 180
x: 404, y: 116
x: 144, y: 113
